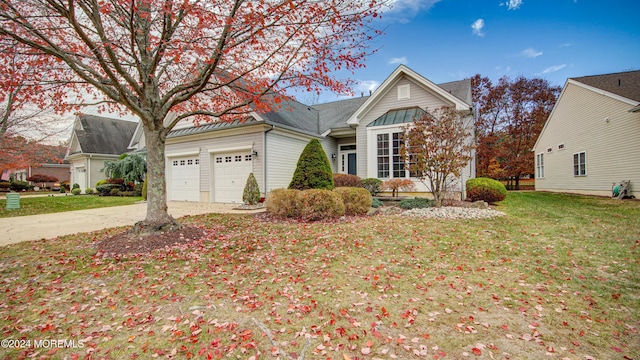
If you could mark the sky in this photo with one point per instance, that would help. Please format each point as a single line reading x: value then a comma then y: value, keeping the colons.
x: 449, y: 40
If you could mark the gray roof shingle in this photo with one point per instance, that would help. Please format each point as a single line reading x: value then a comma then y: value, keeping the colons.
x: 334, y: 115
x: 625, y: 84
x: 101, y: 135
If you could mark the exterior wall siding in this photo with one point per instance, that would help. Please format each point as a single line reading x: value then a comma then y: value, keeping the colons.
x: 283, y: 150
x: 250, y: 137
x: 602, y: 127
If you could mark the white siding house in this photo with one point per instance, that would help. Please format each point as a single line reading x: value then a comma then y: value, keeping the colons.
x: 591, y: 140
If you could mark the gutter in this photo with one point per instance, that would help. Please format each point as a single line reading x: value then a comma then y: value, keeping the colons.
x: 264, y: 159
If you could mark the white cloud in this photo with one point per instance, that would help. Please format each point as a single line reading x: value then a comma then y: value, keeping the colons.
x: 404, y: 10
x: 530, y: 53
x: 553, y: 68
x: 512, y: 4
x: 365, y: 86
x: 477, y: 27
x: 398, y: 61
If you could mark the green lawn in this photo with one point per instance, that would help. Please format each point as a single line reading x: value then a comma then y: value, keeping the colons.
x: 45, y: 205
x: 558, y: 277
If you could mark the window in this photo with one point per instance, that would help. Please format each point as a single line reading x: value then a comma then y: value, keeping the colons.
x: 175, y: 162
x: 580, y: 164
x: 190, y: 162
x: 383, y: 155
x: 227, y: 159
x: 560, y: 146
x: 404, y: 92
x: 218, y: 159
x: 247, y: 158
x: 390, y: 161
x: 238, y: 158
x: 182, y: 162
x: 197, y: 161
x: 549, y: 150
x: 540, y: 165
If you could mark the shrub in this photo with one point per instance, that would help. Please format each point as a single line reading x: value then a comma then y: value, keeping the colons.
x: 101, y: 182
x: 357, y: 201
x: 115, y: 192
x: 105, y: 190
x: 395, y: 185
x: 251, y: 193
x: 18, y: 185
x: 62, y: 189
x: 417, y: 203
x: 283, y: 203
x: 5, y: 185
x: 76, y: 191
x: 373, y: 185
x: 320, y: 204
x: 89, y: 191
x: 346, y: 180
x: 376, y: 203
x: 41, y: 178
x: 313, y: 170
x: 115, y: 181
x: 75, y: 186
x: 485, y: 189
x: 66, y: 185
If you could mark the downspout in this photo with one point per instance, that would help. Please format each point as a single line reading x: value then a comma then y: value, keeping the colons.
x: 264, y: 159
x: 88, y: 177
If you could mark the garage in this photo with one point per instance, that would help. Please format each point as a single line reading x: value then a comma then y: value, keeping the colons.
x: 230, y: 173
x: 185, y: 178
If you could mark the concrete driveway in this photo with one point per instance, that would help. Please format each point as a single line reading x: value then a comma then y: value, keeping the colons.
x: 35, y: 227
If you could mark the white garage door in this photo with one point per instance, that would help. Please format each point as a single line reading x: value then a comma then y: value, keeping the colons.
x: 185, y: 178
x: 230, y: 173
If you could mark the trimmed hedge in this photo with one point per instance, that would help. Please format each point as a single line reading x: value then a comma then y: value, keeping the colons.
x: 5, y: 185
x: 105, y: 189
x: 376, y: 203
x: 283, y: 203
x: 17, y: 185
x: 251, y: 193
x: 373, y: 185
x: 356, y: 200
x: 417, y: 203
x: 76, y: 191
x: 320, y: 204
x: 485, y: 189
x: 313, y: 170
x: 346, y: 180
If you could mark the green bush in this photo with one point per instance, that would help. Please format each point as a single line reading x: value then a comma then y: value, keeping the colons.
x: 320, y: 204
x: 4, y: 185
x: 76, y: 191
x: 376, y: 203
x: 89, y: 191
x: 105, y: 189
x: 18, y: 185
x: 101, y: 182
x: 115, y: 192
x: 417, y: 203
x: 485, y: 189
x: 283, y: 203
x: 356, y: 200
x: 373, y: 185
x: 75, y: 186
x: 66, y: 185
x: 251, y: 193
x: 313, y: 170
x: 346, y: 180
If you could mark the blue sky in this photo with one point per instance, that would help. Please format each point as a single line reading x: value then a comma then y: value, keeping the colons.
x: 448, y: 40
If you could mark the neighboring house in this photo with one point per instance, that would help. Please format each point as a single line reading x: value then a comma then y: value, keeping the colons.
x: 592, y: 137
x: 211, y: 163
x: 59, y: 171
x: 94, y: 140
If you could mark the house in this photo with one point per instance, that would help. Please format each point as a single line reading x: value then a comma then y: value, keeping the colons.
x: 95, y: 139
x: 591, y: 140
x: 361, y: 136
x: 59, y: 171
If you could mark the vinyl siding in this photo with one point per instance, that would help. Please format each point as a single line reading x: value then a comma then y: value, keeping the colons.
x: 612, y: 147
x: 218, y: 142
x: 283, y: 150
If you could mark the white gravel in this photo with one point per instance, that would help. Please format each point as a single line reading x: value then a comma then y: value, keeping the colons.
x: 447, y: 212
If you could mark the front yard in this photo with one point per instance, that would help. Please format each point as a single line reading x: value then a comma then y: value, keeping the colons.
x: 34, y: 205
x: 558, y: 277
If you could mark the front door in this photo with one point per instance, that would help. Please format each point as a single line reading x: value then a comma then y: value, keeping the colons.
x: 348, y: 164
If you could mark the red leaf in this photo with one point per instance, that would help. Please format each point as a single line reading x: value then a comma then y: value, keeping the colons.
x: 616, y: 349
x: 476, y: 351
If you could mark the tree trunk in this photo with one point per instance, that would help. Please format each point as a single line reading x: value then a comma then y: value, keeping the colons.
x: 158, y: 219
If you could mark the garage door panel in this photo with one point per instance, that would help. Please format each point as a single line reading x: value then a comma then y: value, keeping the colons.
x: 230, y: 172
x: 185, y: 179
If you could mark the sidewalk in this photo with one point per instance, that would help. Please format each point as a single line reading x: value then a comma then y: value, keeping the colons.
x: 35, y: 227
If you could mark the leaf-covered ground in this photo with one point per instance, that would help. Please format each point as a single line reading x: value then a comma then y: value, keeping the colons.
x: 558, y: 277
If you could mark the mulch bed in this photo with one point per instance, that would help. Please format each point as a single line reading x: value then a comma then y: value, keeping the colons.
x: 123, y: 243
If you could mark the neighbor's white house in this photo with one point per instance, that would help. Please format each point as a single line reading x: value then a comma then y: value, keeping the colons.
x: 592, y: 137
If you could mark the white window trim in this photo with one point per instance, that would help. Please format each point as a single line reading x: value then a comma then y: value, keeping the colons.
x: 372, y: 153
x: 540, y: 165
x: 345, y: 153
x: 574, y: 164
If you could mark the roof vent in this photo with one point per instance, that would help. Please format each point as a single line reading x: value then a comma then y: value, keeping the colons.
x: 619, y: 82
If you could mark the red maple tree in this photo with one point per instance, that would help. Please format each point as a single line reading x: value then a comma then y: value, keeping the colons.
x: 206, y: 60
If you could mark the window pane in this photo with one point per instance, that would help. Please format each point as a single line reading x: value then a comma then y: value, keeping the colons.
x: 383, y: 155
x: 398, y: 161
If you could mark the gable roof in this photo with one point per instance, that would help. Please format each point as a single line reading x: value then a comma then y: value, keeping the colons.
x: 334, y: 115
x: 625, y: 84
x: 101, y: 135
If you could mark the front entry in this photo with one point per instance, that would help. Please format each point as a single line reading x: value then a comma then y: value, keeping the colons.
x: 348, y: 164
